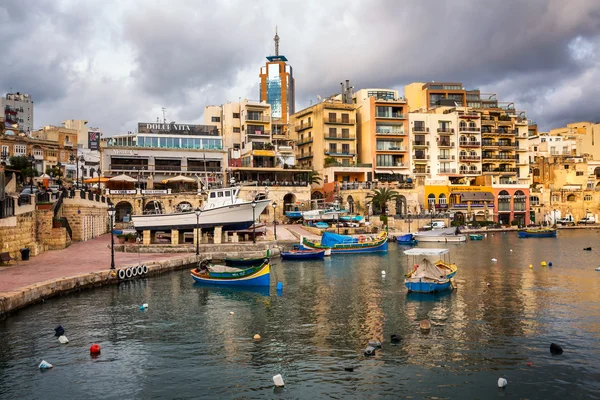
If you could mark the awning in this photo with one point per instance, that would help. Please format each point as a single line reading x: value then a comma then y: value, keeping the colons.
x: 264, y: 153
x: 474, y: 196
x: 383, y: 171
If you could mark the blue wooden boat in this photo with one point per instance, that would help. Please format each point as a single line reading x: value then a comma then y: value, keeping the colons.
x: 351, y: 218
x: 303, y: 255
x: 475, y: 236
x: 406, y: 240
x: 293, y: 214
x: 343, y: 244
x: 322, y: 225
x: 223, y: 275
x: 538, y: 233
x: 247, y: 261
x: 427, y: 276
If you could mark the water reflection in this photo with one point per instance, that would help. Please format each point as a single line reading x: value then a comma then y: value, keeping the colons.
x: 325, y: 316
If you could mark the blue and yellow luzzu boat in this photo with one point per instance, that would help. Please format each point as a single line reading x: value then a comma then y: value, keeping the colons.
x: 223, y: 275
x: 539, y: 232
x: 427, y: 276
x: 342, y: 244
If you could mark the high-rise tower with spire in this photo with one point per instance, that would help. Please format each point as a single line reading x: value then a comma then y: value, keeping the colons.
x: 277, y: 87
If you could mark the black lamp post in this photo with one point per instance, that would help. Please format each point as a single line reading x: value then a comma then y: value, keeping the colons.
x: 387, y: 220
x: 554, y: 219
x: 409, y: 221
x: 197, y: 211
x: 98, y: 172
x: 111, y: 214
x: 253, y: 222
x: 432, y: 212
x: 274, y: 205
x: 92, y: 170
x: 72, y: 159
x: 82, y: 161
x: 31, y: 159
x: 587, y: 213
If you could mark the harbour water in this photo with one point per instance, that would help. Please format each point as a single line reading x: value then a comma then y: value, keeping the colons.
x: 187, y: 344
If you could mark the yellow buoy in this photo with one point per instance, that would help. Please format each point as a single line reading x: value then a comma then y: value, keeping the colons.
x: 257, y: 337
x: 543, y: 263
x: 530, y: 265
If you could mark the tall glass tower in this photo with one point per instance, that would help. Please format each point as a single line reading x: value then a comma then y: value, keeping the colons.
x: 277, y: 87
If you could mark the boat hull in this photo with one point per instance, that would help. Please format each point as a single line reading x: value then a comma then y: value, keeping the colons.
x: 352, y: 248
x: 261, y: 277
x: 303, y: 255
x: 476, y: 237
x: 526, y: 234
x: 441, y: 238
x: 230, y: 217
x: 427, y: 287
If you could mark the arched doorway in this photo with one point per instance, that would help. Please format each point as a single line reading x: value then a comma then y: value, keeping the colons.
x: 153, y: 207
x: 317, y: 200
x: 350, y: 204
x: 597, y: 172
x: 431, y: 201
x: 289, y: 201
x: 123, y: 211
x: 459, y: 217
x: 184, y: 206
x: 401, y: 205
x: 519, y: 203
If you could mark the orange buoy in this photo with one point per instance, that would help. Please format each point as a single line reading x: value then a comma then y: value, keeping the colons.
x: 95, y: 349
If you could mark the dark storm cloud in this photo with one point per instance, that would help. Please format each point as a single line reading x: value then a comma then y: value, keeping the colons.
x: 183, y: 55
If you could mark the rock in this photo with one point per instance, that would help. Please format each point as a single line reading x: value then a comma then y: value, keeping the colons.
x: 349, y: 369
x: 502, y: 382
x: 555, y: 349
x: 370, y: 351
x: 59, y: 331
x: 396, y: 338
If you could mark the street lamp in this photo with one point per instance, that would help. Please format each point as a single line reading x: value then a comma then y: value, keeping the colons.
x: 31, y: 159
x: 253, y: 222
x: 72, y: 159
x: 111, y: 214
x: 274, y: 205
x: 554, y: 219
x: 82, y: 161
x: 197, y: 211
x: 587, y: 213
x: 432, y: 212
x: 387, y: 220
x: 409, y: 221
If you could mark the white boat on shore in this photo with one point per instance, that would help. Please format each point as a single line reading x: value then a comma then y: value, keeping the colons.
x: 446, y: 235
x: 222, y: 208
x: 330, y: 215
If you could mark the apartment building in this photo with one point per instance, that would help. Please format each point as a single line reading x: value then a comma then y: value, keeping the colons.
x: 382, y: 133
x: 586, y: 135
x: 18, y: 111
x: 326, y: 141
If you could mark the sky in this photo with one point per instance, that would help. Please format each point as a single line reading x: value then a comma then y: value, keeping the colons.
x: 116, y: 62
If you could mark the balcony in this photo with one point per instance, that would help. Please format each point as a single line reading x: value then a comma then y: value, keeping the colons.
x: 348, y: 165
x: 390, y: 132
x: 393, y: 115
x: 258, y: 133
x: 469, y: 144
x: 445, y: 143
x: 302, y: 156
x: 420, y: 172
x: 462, y: 114
x: 420, y: 143
x: 285, y: 149
x: 301, y: 127
x: 470, y: 172
x: 420, y: 157
x: 447, y: 171
x: 68, y: 144
x: 504, y: 122
x: 469, y: 158
x: 500, y: 170
x: 445, y: 131
x: 468, y: 129
x: 340, y: 137
x: 395, y: 149
x: 488, y: 144
x: 257, y: 118
x: 446, y: 158
x: 302, y: 143
x: 350, y: 153
x: 507, y: 144
x: 423, y: 129
x: 341, y: 121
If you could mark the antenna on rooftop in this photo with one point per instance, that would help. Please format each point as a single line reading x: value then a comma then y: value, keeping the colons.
x: 276, y: 39
x: 164, y: 117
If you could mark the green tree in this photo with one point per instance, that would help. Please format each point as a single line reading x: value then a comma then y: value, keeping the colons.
x: 314, y: 177
x: 55, y: 171
x: 22, y: 164
x: 380, y: 197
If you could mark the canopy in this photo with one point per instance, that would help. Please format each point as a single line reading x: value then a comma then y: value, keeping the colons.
x: 426, y: 252
x: 475, y: 196
x: 178, y: 178
x: 122, y: 178
x: 426, y: 270
x: 102, y: 179
x: 330, y: 239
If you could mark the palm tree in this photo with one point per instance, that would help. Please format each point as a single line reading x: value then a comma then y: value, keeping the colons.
x: 314, y: 178
x: 380, y: 197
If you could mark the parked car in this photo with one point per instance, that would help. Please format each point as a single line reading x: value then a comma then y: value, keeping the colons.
x: 587, y: 220
x: 54, y: 188
x: 568, y: 220
x: 435, y: 225
x: 26, y: 192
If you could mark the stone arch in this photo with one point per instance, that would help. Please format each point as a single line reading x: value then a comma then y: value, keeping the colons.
x: 123, y: 209
x: 289, y: 201
x: 401, y: 205
x: 463, y: 153
x: 463, y: 168
x: 571, y: 197
x: 184, y: 206
x: 316, y: 195
x: 459, y: 216
x: 463, y: 124
x: 597, y: 172
x: 350, y: 203
x: 153, y: 207
x: 463, y: 139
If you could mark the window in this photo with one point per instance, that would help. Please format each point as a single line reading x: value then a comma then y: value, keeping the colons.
x: 543, y: 140
x: 346, y: 133
x: 20, y: 150
x: 332, y: 132
x: 215, y: 119
x: 236, y: 130
x: 236, y: 115
x: 431, y: 200
x: 571, y: 197
x: 442, y: 198
x: 534, y: 200
x: 332, y: 148
x: 331, y: 117
x: 346, y: 148
x: 579, y: 173
x: 587, y: 197
x: 5, y: 150
x: 346, y: 118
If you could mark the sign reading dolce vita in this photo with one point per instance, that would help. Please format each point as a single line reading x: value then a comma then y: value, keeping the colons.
x: 179, y: 129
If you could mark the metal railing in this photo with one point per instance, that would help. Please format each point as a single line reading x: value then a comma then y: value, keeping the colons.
x: 420, y: 129
x: 469, y: 143
x: 340, y: 137
x: 301, y: 127
x: 390, y: 115
x: 445, y: 143
x: 469, y: 129
x: 445, y: 130
x: 7, y: 207
x: 330, y: 120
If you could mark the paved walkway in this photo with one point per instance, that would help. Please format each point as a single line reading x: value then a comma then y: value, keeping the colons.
x: 301, y: 231
x: 283, y: 233
x: 80, y: 257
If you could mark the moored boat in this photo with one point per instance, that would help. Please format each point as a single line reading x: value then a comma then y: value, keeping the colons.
x: 406, y: 240
x: 351, y: 218
x: 303, y: 255
x: 429, y: 276
x: 538, y: 232
x: 223, y: 275
x: 343, y: 244
x: 322, y: 225
x: 446, y: 235
x: 246, y: 261
x: 476, y: 236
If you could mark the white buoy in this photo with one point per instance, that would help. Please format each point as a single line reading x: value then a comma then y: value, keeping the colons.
x: 278, y: 380
x: 502, y: 382
x: 494, y: 260
x: 382, y: 272
x: 511, y: 250
x: 231, y: 313
x: 63, y: 339
x: 45, y: 365
x: 485, y: 235
x: 145, y: 305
